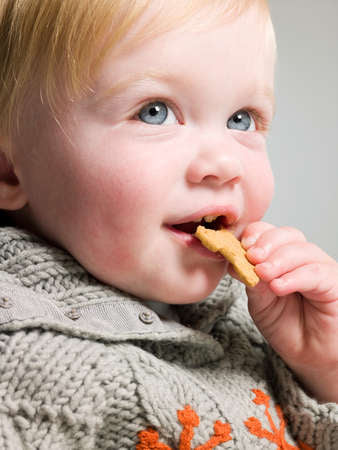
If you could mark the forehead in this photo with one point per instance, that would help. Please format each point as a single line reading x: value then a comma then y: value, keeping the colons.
x: 240, y: 44
x: 161, y: 16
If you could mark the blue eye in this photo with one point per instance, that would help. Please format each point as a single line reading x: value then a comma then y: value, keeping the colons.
x: 157, y: 113
x: 242, y: 121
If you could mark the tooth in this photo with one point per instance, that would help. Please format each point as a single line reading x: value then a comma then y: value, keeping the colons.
x: 210, y: 219
x: 197, y: 221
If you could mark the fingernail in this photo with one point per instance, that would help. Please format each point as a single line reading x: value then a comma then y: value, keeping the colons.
x: 257, y: 253
x: 265, y: 266
x: 249, y: 241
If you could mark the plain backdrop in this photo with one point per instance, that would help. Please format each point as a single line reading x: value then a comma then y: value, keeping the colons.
x: 303, y: 145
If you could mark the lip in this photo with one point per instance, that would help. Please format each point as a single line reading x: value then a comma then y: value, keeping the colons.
x: 229, y: 212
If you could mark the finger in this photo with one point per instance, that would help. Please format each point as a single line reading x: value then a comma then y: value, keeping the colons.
x: 316, y: 281
x: 253, y: 232
x: 288, y: 257
x: 270, y: 240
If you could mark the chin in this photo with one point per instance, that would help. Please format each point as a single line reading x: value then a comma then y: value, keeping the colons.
x: 188, y: 295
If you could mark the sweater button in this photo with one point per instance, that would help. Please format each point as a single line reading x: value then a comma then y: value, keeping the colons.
x: 146, y: 317
x: 5, y: 303
x: 73, y: 314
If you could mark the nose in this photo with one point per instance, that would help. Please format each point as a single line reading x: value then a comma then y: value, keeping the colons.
x: 216, y: 165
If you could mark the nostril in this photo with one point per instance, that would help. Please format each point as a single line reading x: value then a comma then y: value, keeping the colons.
x: 235, y: 180
x: 219, y: 181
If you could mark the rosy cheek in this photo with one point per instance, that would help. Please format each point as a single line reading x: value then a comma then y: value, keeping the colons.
x: 259, y: 181
x: 124, y: 204
x: 261, y: 188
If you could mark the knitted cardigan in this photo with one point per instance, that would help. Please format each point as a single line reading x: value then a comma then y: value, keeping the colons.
x: 86, y: 366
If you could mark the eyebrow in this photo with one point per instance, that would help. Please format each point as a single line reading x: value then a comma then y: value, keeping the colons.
x: 133, y: 79
x: 161, y: 76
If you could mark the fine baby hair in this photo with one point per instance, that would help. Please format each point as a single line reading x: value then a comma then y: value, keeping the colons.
x: 53, y: 49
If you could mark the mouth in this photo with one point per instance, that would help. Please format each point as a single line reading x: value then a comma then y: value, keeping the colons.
x: 210, y: 222
x: 185, y: 230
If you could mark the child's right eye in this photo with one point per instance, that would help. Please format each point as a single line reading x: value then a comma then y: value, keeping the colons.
x: 157, y: 113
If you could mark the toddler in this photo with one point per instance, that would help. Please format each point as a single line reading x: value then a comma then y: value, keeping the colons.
x: 123, y: 125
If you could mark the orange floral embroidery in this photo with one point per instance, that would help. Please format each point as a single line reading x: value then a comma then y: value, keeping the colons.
x: 149, y: 438
x: 149, y: 441
x: 276, y: 435
x: 304, y: 446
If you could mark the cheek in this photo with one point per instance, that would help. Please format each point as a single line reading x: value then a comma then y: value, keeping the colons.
x: 259, y: 185
x: 124, y: 197
x: 266, y: 191
x: 125, y: 209
x: 106, y: 230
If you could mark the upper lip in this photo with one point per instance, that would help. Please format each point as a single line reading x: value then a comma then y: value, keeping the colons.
x: 229, y: 212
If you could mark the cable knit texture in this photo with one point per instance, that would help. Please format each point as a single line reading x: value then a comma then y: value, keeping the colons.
x: 85, y: 366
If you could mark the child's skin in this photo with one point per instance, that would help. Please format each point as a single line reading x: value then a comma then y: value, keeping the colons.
x: 108, y: 186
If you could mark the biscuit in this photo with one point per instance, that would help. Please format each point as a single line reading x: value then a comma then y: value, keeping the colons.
x: 224, y: 242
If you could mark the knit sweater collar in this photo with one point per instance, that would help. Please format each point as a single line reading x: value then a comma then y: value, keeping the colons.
x: 45, y: 269
x: 29, y: 262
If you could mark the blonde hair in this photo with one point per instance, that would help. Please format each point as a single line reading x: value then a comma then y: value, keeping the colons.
x: 56, y: 45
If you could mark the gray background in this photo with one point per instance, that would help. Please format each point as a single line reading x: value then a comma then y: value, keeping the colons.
x: 303, y: 144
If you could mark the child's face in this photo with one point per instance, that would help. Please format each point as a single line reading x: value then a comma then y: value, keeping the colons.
x: 111, y: 186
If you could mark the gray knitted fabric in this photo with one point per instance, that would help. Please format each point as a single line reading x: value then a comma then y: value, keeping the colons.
x: 86, y: 366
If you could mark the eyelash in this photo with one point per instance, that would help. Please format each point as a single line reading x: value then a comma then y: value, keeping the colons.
x: 260, y: 118
x: 261, y: 121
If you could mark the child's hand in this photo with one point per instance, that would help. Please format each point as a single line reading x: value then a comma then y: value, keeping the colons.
x: 295, y: 305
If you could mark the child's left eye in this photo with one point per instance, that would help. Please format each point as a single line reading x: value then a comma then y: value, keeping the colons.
x: 157, y: 113
x: 242, y: 120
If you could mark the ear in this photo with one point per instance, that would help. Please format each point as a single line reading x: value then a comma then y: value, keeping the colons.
x: 12, y: 195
